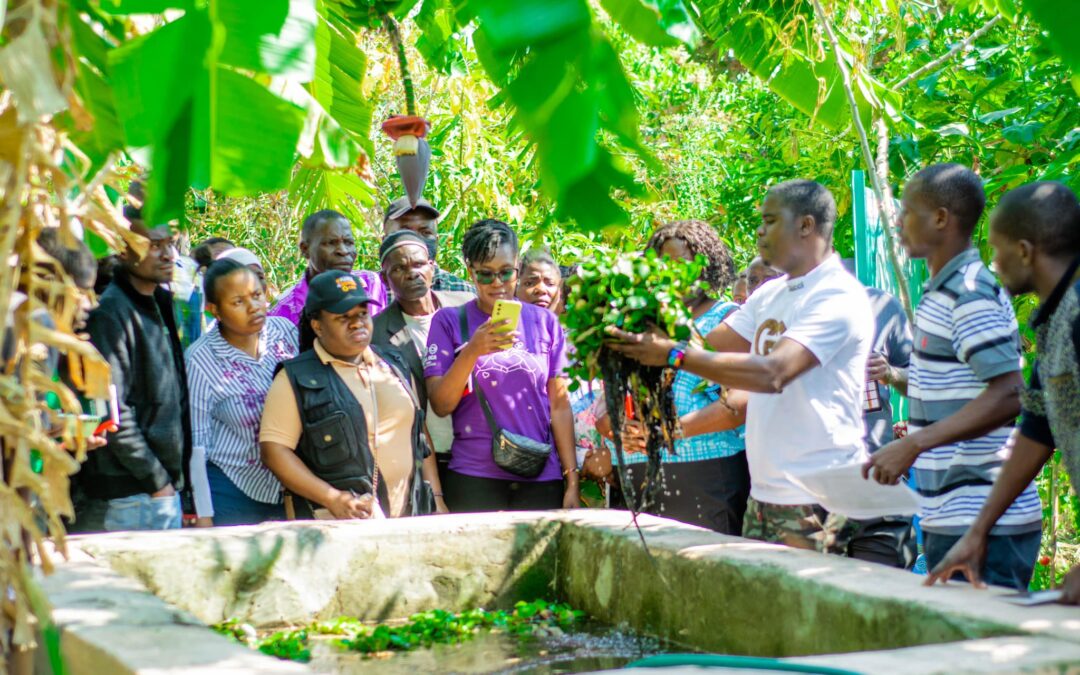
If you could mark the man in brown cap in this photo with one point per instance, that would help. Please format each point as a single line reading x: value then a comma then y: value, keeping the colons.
x: 422, y: 220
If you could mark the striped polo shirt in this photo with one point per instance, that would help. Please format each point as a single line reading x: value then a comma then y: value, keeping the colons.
x: 965, y: 335
x: 227, y: 389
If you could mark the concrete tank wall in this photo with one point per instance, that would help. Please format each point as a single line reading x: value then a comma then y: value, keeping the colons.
x: 698, y: 588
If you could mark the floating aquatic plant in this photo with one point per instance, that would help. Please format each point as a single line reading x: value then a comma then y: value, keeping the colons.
x: 424, y: 629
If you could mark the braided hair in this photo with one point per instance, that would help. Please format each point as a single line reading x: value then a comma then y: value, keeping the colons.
x: 484, y: 238
x: 703, y: 240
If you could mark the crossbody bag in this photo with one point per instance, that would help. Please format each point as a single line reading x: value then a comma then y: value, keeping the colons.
x: 515, y: 453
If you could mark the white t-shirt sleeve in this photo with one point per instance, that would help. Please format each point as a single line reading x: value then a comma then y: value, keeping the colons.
x: 825, y: 324
x: 744, y: 320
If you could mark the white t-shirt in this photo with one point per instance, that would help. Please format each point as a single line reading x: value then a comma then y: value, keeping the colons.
x: 440, y: 428
x: 817, y: 420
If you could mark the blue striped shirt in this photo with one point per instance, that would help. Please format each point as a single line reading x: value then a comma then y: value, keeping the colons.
x: 692, y: 394
x: 227, y: 389
x: 965, y: 335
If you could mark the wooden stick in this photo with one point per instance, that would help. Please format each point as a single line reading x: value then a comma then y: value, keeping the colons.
x: 885, y: 207
x: 891, y: 248
x: 901, y: 83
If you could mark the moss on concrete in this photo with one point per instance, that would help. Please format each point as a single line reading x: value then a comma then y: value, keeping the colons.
x: 739, y: 607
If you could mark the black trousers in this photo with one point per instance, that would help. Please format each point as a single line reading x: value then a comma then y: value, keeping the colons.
x: 711, y: 493
x: 887, y: 541
x: 469, y: 494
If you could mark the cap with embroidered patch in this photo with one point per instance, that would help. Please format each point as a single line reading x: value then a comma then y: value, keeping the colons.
x: 336, y: 292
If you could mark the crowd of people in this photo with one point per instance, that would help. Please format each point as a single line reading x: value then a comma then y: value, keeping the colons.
x: 391, y: 393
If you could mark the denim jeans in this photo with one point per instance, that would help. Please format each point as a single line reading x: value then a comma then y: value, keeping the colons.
x: 143, y: 512
x: 1010, y: 559
x: 232, y: 506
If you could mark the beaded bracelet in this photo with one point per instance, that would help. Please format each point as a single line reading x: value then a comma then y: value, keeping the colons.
x: 677, y: 355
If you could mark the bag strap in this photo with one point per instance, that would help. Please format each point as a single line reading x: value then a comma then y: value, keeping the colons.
x: 463, y: 324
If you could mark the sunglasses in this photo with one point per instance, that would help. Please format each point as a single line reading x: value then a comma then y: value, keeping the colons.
x: 485, y: 277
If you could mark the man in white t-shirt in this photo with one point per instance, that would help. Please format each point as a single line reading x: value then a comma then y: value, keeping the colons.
x: 407, y: 270
x: 800, y: 346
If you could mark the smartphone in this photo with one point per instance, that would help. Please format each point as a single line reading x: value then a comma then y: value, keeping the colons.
x: 507, y: 309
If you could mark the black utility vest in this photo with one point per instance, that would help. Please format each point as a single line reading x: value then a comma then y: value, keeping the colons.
x: 334, y: 440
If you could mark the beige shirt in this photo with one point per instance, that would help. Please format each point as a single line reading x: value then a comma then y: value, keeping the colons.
x: 389, y: 411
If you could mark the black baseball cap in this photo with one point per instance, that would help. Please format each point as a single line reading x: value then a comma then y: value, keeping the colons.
x: 336, y: 292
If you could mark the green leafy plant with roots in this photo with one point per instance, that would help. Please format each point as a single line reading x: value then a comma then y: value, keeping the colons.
x: 634, y: 292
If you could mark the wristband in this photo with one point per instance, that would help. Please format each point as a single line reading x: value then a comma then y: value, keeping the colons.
x: 436, y: 494
x: 677, y: 355
x: 566, y: 472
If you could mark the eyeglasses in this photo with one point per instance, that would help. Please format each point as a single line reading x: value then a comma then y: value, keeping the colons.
x: 486, y: 277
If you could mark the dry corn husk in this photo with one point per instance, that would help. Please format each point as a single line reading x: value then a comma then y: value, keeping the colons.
x: 36, y: 192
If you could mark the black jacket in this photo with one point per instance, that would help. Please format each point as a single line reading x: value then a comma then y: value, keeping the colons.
x: 137, y: 336
x: 389, y: 330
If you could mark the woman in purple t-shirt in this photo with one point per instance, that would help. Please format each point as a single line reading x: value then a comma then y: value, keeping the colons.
x: 521, y: 376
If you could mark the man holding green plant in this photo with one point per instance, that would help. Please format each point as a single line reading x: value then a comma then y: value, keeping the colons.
x: 800, y: 346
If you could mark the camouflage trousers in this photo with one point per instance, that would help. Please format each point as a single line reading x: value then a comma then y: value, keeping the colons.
x: 806, y: 526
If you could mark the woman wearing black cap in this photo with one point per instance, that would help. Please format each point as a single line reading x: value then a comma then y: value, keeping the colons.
x: 342, y: 428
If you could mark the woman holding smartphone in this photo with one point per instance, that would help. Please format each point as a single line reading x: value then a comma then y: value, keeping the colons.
x: 475, y: 361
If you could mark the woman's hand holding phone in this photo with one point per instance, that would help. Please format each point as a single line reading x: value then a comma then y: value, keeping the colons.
x: 492, y: 336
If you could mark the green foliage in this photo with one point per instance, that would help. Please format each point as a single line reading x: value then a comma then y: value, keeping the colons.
x: 439, y: 626
x: 424, y: 629
x: 1060, y: 549
x: 632, y: 292
x: 193, y: 99
x: 568, y: 87
x: 291, y: 645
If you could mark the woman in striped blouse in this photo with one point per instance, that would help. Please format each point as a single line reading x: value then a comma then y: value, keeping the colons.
x: 229, y: 371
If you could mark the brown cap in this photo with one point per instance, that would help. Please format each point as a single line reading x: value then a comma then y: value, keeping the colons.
x: 401, y: 206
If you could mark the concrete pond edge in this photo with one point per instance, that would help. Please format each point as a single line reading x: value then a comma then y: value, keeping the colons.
x: 139, y: 602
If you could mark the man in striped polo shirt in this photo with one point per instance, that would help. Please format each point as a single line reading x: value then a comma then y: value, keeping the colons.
x: 1035, y: 232
x: 964, y: 381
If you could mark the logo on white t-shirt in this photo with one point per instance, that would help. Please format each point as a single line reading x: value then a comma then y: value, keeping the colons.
x: 768, y: 334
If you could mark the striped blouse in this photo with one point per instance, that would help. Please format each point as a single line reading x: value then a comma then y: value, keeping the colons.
x: 227, y: 388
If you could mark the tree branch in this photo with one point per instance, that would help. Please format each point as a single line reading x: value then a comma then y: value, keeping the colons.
x: 885, y: 206
x: 901, y: 83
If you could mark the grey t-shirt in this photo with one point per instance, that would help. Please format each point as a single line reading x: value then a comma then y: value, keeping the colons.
x: 892, y: 338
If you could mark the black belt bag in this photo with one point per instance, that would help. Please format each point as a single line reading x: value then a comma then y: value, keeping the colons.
x: 515, y: 453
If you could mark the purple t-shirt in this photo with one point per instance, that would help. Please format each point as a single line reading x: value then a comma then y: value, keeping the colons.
x: 291, y: 303
x: 514, y: 383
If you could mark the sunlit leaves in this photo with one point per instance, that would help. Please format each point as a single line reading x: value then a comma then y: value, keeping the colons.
x: 1060, y: 18
x: 439, y: 40
x: 206, y: 121
x: 243, y: 163
x: 569, y: 88
x: 661, y: 24
x: 510, y: 26
x: 339, y: 78
x: 155, y: 79
x: 268, y: 36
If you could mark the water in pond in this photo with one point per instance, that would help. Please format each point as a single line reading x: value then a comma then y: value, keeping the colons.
x: 589, y: 646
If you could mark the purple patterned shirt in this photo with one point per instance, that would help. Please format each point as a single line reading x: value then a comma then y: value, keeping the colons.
x: 291, y: 303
